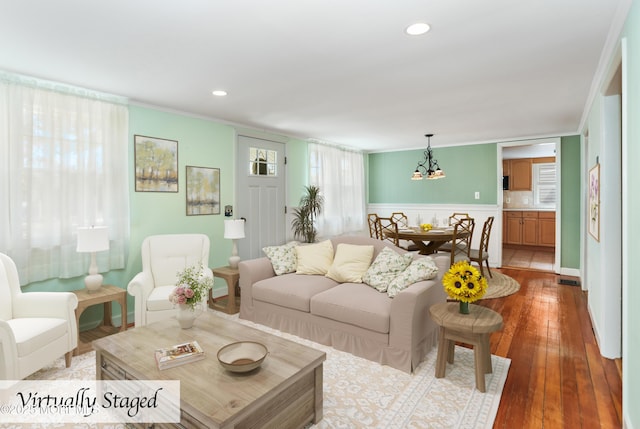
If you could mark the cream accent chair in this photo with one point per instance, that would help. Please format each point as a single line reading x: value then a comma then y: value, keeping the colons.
x: 163, y: 256
x: 35, y: 327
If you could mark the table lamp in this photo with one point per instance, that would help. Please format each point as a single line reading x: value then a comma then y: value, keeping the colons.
x: 233, y: 230
x: 91, y: 240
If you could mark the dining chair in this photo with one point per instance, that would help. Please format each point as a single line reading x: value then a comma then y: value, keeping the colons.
x: 461, y: 242
x: 401, y: 219
x: 388, y: 225
x: 372, y: 218
x: 481, y: 254
x: 403, y: 222
x: 453, y: 219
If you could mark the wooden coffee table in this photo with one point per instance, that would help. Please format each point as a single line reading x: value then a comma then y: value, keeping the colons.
x: 284, y: 392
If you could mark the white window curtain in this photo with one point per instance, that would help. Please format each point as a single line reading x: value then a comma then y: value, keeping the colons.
x: 63, y: 164
x: 339, y: 173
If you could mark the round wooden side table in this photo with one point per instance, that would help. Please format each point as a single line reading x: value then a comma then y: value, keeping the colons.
x: 473, y: 329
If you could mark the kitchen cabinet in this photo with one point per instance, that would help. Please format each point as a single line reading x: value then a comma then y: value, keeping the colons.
x: 530, y: 228
x: 520, y: 174
x: 506, y: 167
x: 547, y: 229
x: 514, y: 228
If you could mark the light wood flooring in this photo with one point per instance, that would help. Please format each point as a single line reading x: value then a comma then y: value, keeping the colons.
x: 557, y: 377
x: 527, y: 257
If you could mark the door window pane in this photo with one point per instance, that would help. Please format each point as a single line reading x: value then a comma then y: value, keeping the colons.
x: 263, y: 162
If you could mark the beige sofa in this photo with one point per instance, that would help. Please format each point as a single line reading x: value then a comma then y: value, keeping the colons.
x: 352, y: 317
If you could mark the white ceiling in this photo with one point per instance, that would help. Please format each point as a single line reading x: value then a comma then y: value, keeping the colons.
x: 341, y: 71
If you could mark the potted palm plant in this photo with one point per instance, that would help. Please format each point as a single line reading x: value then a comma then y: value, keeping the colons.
x: 304, y: 216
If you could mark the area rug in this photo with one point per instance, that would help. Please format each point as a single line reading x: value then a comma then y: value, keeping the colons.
x: 362, y: 394
x: 500, y: 285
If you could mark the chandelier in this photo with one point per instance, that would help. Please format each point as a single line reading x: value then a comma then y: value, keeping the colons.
x: 429, y: 165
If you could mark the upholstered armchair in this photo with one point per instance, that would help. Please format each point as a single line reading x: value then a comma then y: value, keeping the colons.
x: 163, y: 257
x: 35, y: 327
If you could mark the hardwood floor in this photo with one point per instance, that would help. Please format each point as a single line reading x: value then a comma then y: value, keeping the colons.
x: 557, y: 377
x: 528, y: 257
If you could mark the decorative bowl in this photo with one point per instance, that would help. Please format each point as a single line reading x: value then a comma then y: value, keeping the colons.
x: 242, y: 356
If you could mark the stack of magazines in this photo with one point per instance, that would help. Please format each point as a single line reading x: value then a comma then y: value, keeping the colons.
x: 179, y: 354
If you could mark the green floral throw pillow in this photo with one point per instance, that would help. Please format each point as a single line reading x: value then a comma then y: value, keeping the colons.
x: 420, y: 269
x: 283, y: 258
x: 387, y: 265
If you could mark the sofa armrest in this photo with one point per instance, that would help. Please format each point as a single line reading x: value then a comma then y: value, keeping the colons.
x: 252, y: 271
x: 410, y: 320
x: 8, y: 353
x: 59, y: 305
x: 140, y: 287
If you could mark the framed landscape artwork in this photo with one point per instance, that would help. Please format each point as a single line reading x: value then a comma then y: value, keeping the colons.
x: 594, y: 202
x: 156, y: 164
x: 203, y: 191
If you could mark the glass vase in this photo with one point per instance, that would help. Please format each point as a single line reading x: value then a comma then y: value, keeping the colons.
x: 464, y: 307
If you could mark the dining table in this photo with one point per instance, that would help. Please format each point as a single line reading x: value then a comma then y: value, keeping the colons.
x: 428, y: 242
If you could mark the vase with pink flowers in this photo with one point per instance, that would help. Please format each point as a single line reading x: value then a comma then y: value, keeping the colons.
x: 189, y: 294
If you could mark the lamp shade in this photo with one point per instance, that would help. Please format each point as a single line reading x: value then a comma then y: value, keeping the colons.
x: 93, y: 239
x: 234, y: 229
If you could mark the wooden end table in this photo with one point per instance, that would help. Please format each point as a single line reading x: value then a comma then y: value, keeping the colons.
x: 105, y: 295
x: 231, y: 276
x: 474, y: 329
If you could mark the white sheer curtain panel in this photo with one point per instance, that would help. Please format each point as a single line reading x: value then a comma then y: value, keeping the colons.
x: 63, y: 164
x: 339, y: 173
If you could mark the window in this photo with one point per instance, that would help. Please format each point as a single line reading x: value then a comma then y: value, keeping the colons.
x: 544, y: 185
x: 64, y: 162
x: 263, y: 162
x: 339, y: 173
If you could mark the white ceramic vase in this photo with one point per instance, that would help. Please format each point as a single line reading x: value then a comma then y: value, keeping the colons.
x: 187, y: 315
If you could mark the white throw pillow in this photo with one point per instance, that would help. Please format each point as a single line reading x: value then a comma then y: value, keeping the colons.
x: 283, y: 258
x: 418, y: 270
x: 350, y: 263
x: 387, y: 265
x: 314, y: 258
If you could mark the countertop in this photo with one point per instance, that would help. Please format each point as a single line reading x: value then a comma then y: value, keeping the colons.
x: 529, y: 210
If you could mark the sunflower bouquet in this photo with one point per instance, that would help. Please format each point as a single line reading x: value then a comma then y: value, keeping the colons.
x: 464, y: 283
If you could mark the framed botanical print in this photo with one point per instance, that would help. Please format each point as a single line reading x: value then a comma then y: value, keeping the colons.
x: 156, y: 164
x: 203, y: 191
x: 594, y: 202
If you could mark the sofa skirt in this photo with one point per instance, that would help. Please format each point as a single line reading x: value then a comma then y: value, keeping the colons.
x: 370, y: 345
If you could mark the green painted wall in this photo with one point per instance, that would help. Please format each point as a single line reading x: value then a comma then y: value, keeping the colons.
x: 631, y: 294
x: 297, y: 171
x: 202, y: 143
x: 389, y: 176
x: 570, y: 201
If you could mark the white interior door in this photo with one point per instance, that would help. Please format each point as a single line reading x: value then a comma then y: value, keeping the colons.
x: 260, y: 194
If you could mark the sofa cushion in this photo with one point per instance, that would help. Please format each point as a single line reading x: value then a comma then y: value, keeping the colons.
x: 356, y: 304
x: 315, y: 258
x: 283, y: 258
x: 350, y: 263
x: 159, y: 298
x: 418, y: 270
x: 291, y: 290
x: 387, y: 265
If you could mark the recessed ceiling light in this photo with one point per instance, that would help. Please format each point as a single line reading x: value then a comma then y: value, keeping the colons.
x: 219, y: 93
x: 417, y: 29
